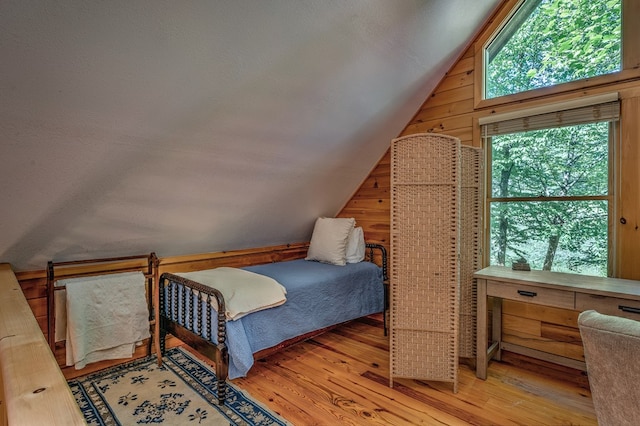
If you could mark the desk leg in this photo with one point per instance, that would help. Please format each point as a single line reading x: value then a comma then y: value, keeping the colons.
x: 496, y: 329
x: 481, y: 330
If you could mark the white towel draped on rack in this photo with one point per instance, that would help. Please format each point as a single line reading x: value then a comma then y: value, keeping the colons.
x: 107, y: 315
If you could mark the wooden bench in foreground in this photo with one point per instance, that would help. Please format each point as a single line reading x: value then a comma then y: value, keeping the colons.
x: 33, y: 390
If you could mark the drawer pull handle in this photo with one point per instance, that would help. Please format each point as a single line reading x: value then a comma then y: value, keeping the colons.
x: 529, y: 293
x: 629, y: 309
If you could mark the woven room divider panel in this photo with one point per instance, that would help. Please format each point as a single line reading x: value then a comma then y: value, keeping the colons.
x: 424, y: 302
x: 470, y: 242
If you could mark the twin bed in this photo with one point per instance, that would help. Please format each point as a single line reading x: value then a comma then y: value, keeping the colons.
x: 282, y: 302
x: 318, y: 296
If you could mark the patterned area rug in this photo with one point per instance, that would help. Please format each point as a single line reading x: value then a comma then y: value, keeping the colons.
x: 181, y: 392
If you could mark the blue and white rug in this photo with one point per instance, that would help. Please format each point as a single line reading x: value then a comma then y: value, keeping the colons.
x: 180, y: 392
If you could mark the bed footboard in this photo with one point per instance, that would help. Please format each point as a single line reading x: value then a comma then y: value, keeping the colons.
x: 179, y: 300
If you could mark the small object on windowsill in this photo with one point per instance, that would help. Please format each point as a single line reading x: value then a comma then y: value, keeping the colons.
x: 520, y: 265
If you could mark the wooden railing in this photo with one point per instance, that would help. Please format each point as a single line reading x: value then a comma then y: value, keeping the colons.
x: 33, y: 390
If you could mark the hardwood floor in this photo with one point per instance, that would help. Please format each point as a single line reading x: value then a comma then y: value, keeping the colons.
x: 342, y: 377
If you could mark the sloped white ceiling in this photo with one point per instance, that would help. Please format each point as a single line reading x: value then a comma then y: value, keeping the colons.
x: 184, y: 127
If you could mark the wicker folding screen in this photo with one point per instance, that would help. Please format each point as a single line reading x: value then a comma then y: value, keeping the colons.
x: 425, y: 192
x: 470, y: 242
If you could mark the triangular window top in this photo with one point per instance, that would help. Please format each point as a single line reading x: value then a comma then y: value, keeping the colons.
x: 549, y: 42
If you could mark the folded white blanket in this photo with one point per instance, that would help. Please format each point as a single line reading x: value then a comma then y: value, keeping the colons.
x: 244, y: 291
x: 106, y: 316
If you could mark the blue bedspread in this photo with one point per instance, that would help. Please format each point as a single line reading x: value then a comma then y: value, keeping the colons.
x: 318, y: 296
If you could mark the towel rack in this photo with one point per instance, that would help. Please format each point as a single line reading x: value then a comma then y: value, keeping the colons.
x: 146, y: 263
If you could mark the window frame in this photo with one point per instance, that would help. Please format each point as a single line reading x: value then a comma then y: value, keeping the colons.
x: 611, y: 197
x: 630, y: 58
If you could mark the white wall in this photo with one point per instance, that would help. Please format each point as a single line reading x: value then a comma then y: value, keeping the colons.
x: 191, y: 126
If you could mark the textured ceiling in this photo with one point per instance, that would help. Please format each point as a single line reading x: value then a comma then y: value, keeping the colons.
x: 184, y: 127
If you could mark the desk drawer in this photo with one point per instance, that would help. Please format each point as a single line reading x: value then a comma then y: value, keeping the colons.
x: 608, y: 305
x: 531, y: 294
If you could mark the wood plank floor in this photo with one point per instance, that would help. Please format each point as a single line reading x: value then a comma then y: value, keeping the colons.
x: 342, y: 378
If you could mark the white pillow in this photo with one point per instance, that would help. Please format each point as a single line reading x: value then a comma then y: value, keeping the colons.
x: 356, y: 246
x: 329, y: 240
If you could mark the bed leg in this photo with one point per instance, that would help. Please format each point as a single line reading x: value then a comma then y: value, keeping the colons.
x: 222, y: 391
x: 163, y: 346
x: 222, y: 372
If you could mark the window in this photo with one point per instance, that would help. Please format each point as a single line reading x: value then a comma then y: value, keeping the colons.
x: 548, y: 42
x: 549, y: 187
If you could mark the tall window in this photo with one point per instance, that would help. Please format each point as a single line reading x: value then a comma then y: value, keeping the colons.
x: 549, y: 192
x: 548, y: 42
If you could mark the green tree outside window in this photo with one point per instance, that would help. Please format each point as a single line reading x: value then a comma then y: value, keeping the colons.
x: 548, y: 42
x: 549, y: 189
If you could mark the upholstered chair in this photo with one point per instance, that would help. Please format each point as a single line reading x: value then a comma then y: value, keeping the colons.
x: 612, y: 353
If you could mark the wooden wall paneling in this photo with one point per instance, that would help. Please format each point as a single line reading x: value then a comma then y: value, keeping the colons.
x: 38, y: 307
x: 460, y: 73
x: 371, y: 194
x: 370, y: 204
x: 234, y: 258
x: 552, y: 330
x: 521, y: 325
x: 429, y: 112
x: 560, y: 333
x: 466, y: 64
x: 559, y: 316
x: 34, y: 287
x: 459, y: 123
x: 454, y: 81
x: 477, y: 141
x: 450, y: 96
x: 554, y: 347
x: 369, y: 216
x: 372, y: 199
x: 460, y: 76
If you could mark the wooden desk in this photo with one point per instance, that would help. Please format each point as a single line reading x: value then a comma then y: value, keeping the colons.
x: 612, y: 296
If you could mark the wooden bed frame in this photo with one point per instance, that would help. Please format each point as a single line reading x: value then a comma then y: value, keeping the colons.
x: 147, y: 264
x: 218, y: 353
